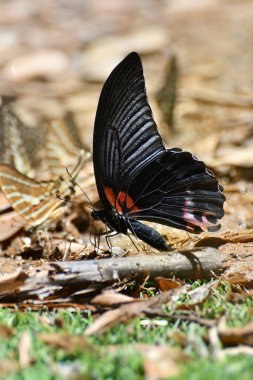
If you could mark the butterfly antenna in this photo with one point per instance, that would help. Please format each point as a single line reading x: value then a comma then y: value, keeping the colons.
x: 74, y: 202
x: 73, y: 180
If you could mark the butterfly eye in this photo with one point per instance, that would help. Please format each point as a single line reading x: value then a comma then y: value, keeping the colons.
x: 96, y: 215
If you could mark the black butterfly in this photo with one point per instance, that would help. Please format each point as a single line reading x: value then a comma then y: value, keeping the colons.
x: 136, y: 176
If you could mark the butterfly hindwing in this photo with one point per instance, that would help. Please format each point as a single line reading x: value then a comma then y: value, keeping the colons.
x: 19, y: 144
x: 179, y: 191
x: 34, y: 201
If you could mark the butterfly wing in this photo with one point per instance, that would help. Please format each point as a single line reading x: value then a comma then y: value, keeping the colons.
x: 63, y: 146
x: 179, y: 191
x: 34, y: 201
x: 125, y: 134
x: 19, y: 144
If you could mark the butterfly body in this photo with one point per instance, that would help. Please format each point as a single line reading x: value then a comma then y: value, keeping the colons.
x: 122, y: 224
x: 137, y: 177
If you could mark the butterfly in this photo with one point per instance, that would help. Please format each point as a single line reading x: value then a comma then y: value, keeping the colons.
x: 137, y: 177
x: 37, y: 202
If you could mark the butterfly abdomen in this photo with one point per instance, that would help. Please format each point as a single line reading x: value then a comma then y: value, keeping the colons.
x: 148, y: 235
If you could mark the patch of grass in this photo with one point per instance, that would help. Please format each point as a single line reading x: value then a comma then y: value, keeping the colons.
x: 233, y: 368
x: 49, y: 362
x: 237, y: 314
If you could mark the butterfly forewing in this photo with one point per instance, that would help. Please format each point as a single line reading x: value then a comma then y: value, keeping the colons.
x: 125, y: 134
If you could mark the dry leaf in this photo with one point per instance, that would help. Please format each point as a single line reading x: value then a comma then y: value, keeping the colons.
x: 66, y: 342
x: 110, y: 298
x: 231, y: 336
x: 201, y: 293
x: 168, y: 283
x: 228, y: 237
x: 6, y: 331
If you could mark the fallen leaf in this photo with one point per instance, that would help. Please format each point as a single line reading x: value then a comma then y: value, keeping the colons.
x: 110, y: 298
x: 130, y: 311
x: 201, y: 293
x: 230, y: 237
x: 6, y: 332
x: 112, y: 317
x: 231, y: 336
x: 168, y: 283
x: 66, y: 342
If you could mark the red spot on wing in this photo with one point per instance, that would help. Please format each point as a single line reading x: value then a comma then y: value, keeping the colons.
x: 122, y: 198
x: 110, y: 195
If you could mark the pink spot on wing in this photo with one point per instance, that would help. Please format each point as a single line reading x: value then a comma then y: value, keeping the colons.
x: 192, y: 222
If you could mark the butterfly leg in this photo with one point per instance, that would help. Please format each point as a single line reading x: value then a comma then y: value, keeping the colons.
x: 108, y: 242
x: 134, y: 243
x: 109, y: 233
x: 94, y: 244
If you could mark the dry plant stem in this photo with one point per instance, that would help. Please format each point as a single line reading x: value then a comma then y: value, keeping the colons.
x: 193, y: 265
x: 83, y: 279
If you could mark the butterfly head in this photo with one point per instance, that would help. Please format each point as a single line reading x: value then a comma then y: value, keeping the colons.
x: 113, y: 220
